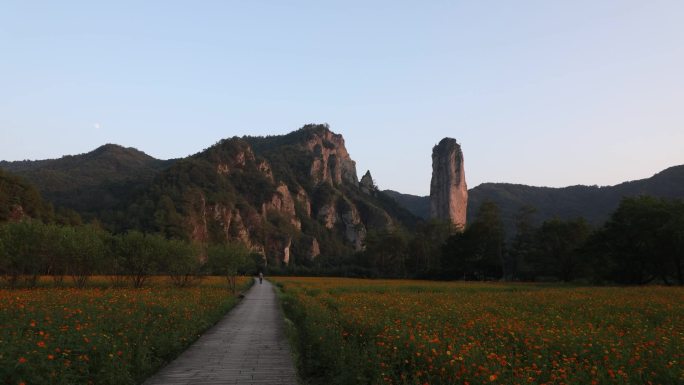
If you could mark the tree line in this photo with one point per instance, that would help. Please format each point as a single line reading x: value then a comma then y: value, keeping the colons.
x: 642, y: 242
x: 30, y: 249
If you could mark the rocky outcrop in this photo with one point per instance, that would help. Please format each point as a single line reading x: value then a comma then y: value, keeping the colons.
x: 354, y: 230
x: 448, y: 189
x: 197, y: 221
x: 286, y: 252
x: 265, y: 169
x: 314, y: 249
x: 327, y: 216
x: 229, y: 220
x: 346, y: 216
x: 236, y: 161
x: 367, y: 185
x: 283, y: 203
x: 332, y: 163
x: 303, y: 199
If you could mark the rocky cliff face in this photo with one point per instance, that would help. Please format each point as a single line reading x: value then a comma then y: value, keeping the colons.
x: 448, y: 189
x: 331, y: 161
x: 290, y: 197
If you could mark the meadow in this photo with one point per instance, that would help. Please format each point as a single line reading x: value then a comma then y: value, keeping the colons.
x: 408, y: 332
x: 102, y: 335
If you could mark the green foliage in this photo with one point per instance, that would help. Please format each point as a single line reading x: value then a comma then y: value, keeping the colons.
x: 478, y: 251
x: 227, y: 260
x: 516, y: 261
x: 23, y: 251
x: 85, y: 250
x: 425, y: 248
x: 557, y: 249
x: 387, y: 252
x: 641, y: 242
x: 142, y: 255
x: 181, y: 261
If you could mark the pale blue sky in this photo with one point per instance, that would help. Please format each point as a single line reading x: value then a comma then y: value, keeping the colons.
x: 541, y: 92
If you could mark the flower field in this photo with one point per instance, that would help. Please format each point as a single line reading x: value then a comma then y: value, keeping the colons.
x: 102, y: 335
x: 408, y: 332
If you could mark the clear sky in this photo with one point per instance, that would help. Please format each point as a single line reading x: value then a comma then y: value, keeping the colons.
x: 543, y: 92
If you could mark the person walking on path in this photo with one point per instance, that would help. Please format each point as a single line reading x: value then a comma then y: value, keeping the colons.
x: 261, y: 278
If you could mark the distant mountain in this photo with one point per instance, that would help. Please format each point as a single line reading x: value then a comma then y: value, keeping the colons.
x: 417, y: 205
x: 590, y: 202
x: 90, y: 183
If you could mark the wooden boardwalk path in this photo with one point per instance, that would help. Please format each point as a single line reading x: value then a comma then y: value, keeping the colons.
x: 248, y: 346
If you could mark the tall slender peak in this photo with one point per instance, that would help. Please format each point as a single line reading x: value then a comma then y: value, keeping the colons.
x: 367, y: 184
x: 448, y: 189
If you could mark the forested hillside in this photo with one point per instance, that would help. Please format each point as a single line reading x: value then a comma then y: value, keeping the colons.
x: 90, y: 183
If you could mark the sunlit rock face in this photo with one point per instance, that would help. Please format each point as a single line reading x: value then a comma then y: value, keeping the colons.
x: 331, y: 161
x: 448, y: 190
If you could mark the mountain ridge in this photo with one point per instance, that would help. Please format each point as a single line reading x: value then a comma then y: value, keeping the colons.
x: 293, y: 196
x: 91, y: 182
x: 298, y: 192
x: 593, y: 203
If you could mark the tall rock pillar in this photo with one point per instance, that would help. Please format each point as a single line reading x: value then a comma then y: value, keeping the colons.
x: 448, y: 190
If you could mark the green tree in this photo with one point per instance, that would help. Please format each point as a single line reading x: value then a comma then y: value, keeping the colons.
x: 141, y: 255
x: 487, y: 238
x: 387, y: 251
x: 84, y: 250
x: 478, y: 251
x: 557, y: 250
x: 517, y: 259
x: 227, y: 259
x: 181, y: 262
x: 456, y: 256
x: 425, y: 248
x: 167, y: 220
x: 642, y: 241
x: 26, y: 249
x: 54, y: 260
x: 673, y: 241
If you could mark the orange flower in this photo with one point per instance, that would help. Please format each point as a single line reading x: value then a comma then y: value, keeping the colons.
x: 22, y: 360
